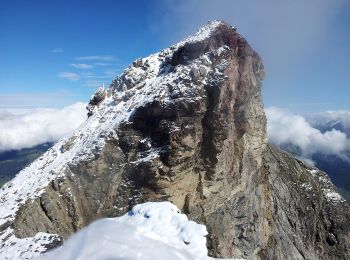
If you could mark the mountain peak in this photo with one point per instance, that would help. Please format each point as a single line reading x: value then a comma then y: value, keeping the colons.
x: 186, y: 125
x: 207, y: 30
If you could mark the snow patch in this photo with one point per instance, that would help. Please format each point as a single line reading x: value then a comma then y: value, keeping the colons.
x: 327, y: 187
x: 204, y: 32
x: 306, y: 186
x: 27, y: 248
x: 333, y: 196
x: 153, y: 230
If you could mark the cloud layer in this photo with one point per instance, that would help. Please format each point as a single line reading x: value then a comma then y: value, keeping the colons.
x: 287, y: 128
x: 27, y: 129
x: 38, y: 126
x: 337, y: 119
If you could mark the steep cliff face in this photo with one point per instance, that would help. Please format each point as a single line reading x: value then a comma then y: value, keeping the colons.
x: 185, y: 125
x: 310, y: 220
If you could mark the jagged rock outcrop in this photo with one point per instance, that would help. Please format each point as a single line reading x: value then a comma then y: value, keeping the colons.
x: 186, y: 125
x: 95, y: 100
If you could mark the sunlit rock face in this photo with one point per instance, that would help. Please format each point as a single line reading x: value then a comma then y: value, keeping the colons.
x: 184, y: 125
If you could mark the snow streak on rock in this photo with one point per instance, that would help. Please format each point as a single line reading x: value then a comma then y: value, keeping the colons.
x: 330, y: 194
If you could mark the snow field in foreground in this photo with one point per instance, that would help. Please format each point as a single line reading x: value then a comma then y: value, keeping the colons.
x: 153, y: 230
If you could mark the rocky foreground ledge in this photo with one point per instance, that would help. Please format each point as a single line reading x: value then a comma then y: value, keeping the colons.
x: 185, y: 125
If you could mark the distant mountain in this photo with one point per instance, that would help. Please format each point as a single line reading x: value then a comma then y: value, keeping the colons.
x: 336, y: 166
x: 326, y: 121
x: 337, y: 169
x: 12, y: 162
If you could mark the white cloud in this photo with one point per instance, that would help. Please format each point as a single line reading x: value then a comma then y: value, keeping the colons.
x: 70, y: 76
x: 98, y: 76
x: 287, y: 128
x: 97, y: 58
x: 331, y: 118
x: 57, y: 50
x: 93, y: 83
x: 95, y: 80
x: 111, y: 73
x: 81, y: 65
x: 102, y: 64
x: 38, y: 126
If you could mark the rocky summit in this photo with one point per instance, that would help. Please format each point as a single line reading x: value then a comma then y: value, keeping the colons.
x: 185, y: 125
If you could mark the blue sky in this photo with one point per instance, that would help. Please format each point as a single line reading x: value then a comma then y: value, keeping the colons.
x: 54, y: 53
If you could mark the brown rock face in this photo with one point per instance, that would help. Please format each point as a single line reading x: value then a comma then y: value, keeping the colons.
x: 187, y: 125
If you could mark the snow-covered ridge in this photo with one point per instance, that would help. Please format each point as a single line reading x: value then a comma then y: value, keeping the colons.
x: 153, y: 230
x: 203, y: 32
x: 29, y: 182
